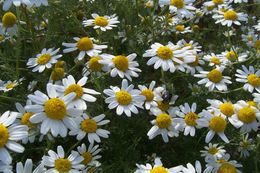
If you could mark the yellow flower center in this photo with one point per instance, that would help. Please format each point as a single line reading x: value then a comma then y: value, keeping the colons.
x: 163, y: 121
x: 74, y: 88
x: 177, y: 3
x: 227, y: 168
x: 89, y: 125
x: 159, y: 169
x: 190, y: 119
x: 257, y: 44
x: 9, y: 86
x: 164, y: 52
x: 215, y: 60
x: 94, y: 65
x: 180, y: 28
x: 218, y: 2
x: 9, y: 19
x: 213, y: 150
x: 123, y: 97
x: 101, y: 21
x: 217, y: 124
x: 57, y: 74
x: 231, y: 55
x: 246, y: 115
x: 210, y: 8
x: 121, y: 62
x: 87, y: 157
x: 164, y: 106
x: 250, y: 38
x: 62, y: 165
x: 230, y: 15
x: 254, y: 80
x: 252, y: 103
x: 55, y: 109
x: 4, y: 135
x: 148, y: 94
x: 43, y: 59
x: 59, y: 64
x: 85, y: 44
x: 215, y: 76
x: 227, y: 109
x: 25, y: 120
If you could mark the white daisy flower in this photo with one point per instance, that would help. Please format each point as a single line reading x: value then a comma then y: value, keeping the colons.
x: 191, y: 169
x: 195, y: 66
x: 257, y: 27
x: 249, y: 38
x: 102, y: 22
x: 190, y: 120
x: 181, y: 29
x: 58, y: 163
x: 85, y: 45
x: 7, y: 3
x: 28, y: 167
x: 165, y: 56
x: 165, y: 125
x: 124, y: 99
x: 90, y: 154
x: 214, y: 79
x: 194, y: 46
x: 10, y: 133
x: 157, y: 167
x: 53, y: 112
x: 10, y: 85
x: 121, y: 65
x: 90, y: 127
x: 229, y: 17
x: 182, y: 8
x: 9, y: 24
x: 43, y: 60
x: 214, y: 60
x: 245, y: 145
x: 247, y: 117
x: 250, y: 77
x: 95, y: 66
x: 214, y: 3
x: 234, y: 56
x: 217, y: 125
x: 213, y: 151
x: 83, y: 95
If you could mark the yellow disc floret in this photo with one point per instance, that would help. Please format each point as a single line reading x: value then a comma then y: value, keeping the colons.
x: 163, y: 121
x: 9, y: 19
x: 43, y: 59
x: 159, y: 169
x: 57, y: 74
x: 227, y: 109
x: 85, y: 44
x: 180, y: 28
x: 94, y: 65
x: 55, y: 108
x: 89, y: 125
x: 25, y: 120
x: 87, y: 157
x: 123, y: 97
x: 254, y: 80
x: 257, y: 44
x: 178, y: 3
x: 74, y: 88
x: 215, y: 60
x: 231, y: 55
x: 101, y: 21
x: 62, y: 165
x: 164, y: 52
x: 121, y: 62
x: 247, y: 115
x: 217, y: 124
x: 190, y: 119
x: 148, y: 94
x: 227, y: 168
x: 213, y: 150
x: 218, y: 2
x: 215, y: 76
x: 10, y: 86
x: 230, y: 15
x: 164, y: 106
x: 4, y: 135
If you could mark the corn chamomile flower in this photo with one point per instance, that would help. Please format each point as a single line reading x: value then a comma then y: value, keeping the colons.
x: 10, y: 133
x: 213, y: 151
x: 9, y: 23
x: 167, y: 56
x: 250, y: 77
x: 90, y: 154
x: 229, y: 17
x: 214, y: 3
x: 10, y: 85
x: 249, y: 38
x: 181, y: 29
x: 121, y: 65
x: 90, y: 127
x: 165, y: 125
x: 58, y: 163
x: 102, y: 22
x: 157, y: 167
x: 195, y: 66
x: 83, y: 95
x: 7, y: 3
x: 217, y: 125
x: 53, y: 112
x: 245, y: 145
x: 214, y: 79
x: 124, y: 99
x: 85, y: 45
x: 93, y: 64
x: 191, y: 169
x: 233, y: 55
x: 189, y: 120
x: 214, y: 60
x: 43, y: 60
x: 28, y: 167
x: 194, y: 46
x: 246, y: 117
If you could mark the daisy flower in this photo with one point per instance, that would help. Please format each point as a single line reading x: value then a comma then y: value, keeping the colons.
x: 53, y: 112
x: 214, y: 60
x: 189, y: 120
x: 181, y: 29
x: 123, y: 66
x: 125, y: 100
x: 183, y: 8
x: 247, y: 117
x: 217, y: 125
x: 245, y: 146
x: 195, y: 66
x: 85, y: 46
x: 157, y: 167
x: 194, y: 46
x: 10, y: 133
x: 90, y: 127
x: 28, y: 167
x: 166, y: 56
x: 10, y: 85
x: 214, y: 3
x: 213, y: 151
x: 83, y: 94
x: 95, y: 66
x: 234, y: 56
x: 57, y: 162
x: 257, y: 27
x: 165, y: 125
x: 90, y: 154
x: 250, y: 77
x: 214, y: 79
x: 9, y: 25
x: 249, y: 38
x: 229, y: 17
x: 43, y: 60
x: 191, y: 169
x: 102, y: 22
